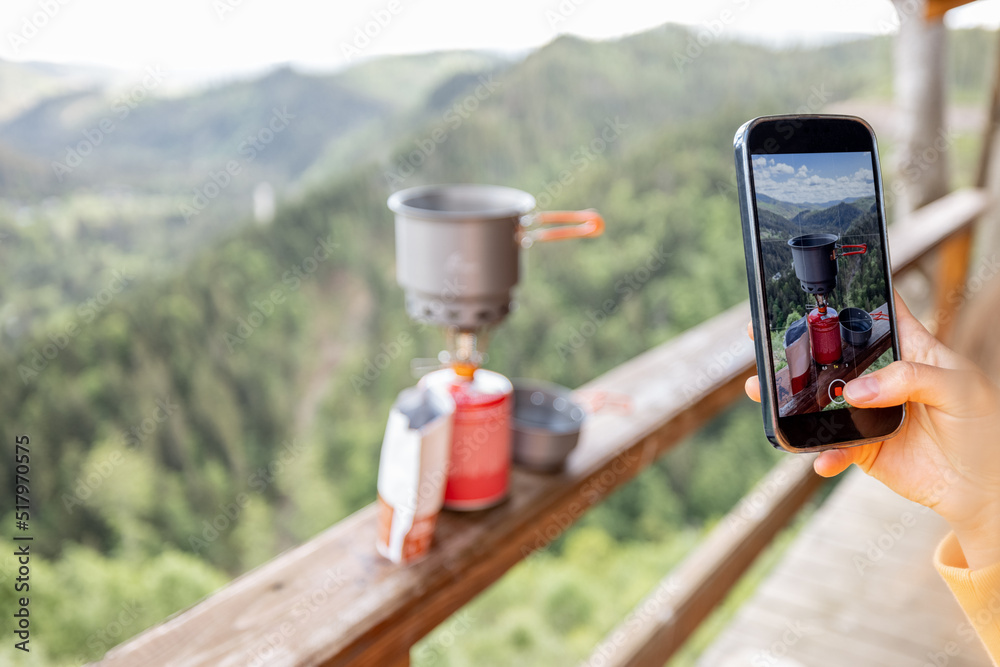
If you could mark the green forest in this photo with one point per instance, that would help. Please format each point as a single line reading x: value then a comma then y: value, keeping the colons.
x: 162, y: 367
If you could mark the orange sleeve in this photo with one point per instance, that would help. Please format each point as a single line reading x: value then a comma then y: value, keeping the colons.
x: 978, y: 592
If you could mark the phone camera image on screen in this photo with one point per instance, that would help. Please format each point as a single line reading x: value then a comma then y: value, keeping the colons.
x: 824, y: 277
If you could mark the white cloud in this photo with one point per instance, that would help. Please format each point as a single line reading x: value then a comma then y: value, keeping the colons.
x: 786, y: 183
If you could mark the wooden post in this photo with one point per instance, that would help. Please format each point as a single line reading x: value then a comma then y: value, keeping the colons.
x: 921, y: 164
x: 990, y: 126
x: 949, y: 284
x: 987, y: 174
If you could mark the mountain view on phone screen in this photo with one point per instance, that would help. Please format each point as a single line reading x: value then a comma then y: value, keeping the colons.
x: 824, y: 279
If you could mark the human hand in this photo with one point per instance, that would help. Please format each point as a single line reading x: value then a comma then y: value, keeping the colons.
x: 947, y: 454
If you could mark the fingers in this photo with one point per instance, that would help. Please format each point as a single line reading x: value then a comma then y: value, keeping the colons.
x: 958, y: 393
x: 915, y: 341
x: 903, y: 315
x: 909, y: 326
x: 918, y: 344
x: 752, y: 385
x: 832, y: 462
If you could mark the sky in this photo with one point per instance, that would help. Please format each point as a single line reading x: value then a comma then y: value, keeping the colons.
x: 219, y: 38
x: 814, y: 177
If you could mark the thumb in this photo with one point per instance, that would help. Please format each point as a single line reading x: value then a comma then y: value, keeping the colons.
x: 955, y: 392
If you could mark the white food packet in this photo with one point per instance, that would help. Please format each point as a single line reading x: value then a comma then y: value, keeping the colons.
x: 412, y: 470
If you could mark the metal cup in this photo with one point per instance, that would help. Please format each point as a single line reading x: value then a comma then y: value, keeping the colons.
x: 856, y: 326
x: 546, y: 425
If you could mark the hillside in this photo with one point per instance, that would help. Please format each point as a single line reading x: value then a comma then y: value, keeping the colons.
x: 164, y: 176
x: 785, y: 209
x: 836, y: 218
x: 23, y: 85
x: 185, y: 389
x: 148, y: 141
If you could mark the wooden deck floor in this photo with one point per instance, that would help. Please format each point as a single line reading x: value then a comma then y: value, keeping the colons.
x: 856, y: 588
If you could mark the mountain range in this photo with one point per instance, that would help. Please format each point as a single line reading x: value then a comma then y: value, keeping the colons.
x: 783, y: 220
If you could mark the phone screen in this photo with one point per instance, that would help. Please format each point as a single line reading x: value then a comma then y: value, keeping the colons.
x: 824, y: 274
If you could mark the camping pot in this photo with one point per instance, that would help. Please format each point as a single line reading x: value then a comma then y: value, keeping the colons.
x: 458, y: 247
x: 546, y: 425
x: 856, y: 326
x: 815, y: 259
x: 824, y: 335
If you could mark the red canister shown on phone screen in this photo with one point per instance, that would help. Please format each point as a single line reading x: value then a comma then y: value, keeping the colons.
x: 479, y: 465
x: 824, y: 335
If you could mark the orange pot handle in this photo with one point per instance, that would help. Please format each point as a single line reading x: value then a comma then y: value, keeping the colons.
x: 572, y: 225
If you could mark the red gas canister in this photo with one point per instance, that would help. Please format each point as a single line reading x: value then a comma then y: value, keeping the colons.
x: 824, y: 335
x: 479, y: 465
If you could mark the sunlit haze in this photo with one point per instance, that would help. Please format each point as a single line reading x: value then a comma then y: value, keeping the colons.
x: 213, y: 38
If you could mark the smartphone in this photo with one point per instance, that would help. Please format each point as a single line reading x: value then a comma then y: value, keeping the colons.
x: 810, y: 192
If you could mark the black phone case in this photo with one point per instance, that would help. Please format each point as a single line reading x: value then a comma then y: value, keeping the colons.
x: 768, y: 405
x: 742, y: 156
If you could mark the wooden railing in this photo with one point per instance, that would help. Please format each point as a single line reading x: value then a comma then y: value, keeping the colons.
x: 334, y: 601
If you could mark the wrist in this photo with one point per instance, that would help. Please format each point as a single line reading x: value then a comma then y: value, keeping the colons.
x: 980, y: 539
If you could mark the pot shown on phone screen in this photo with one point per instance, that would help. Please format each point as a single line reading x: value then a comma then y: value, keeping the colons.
x: 814, y: 236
